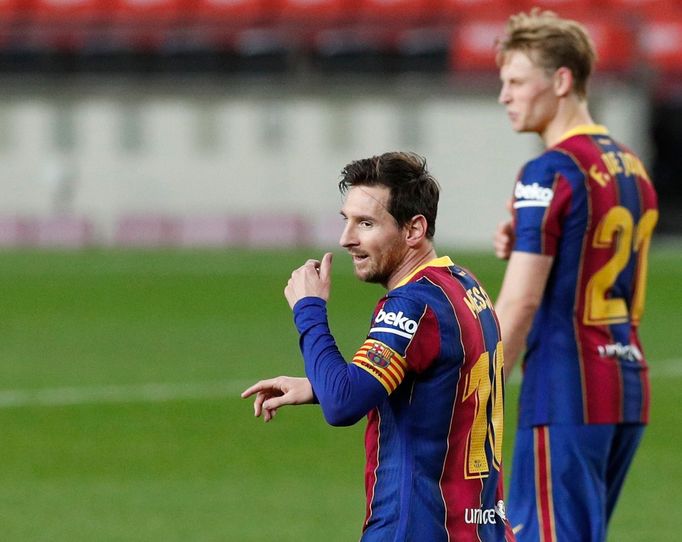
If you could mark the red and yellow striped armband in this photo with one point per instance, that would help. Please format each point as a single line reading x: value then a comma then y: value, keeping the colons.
x: 382, y: 362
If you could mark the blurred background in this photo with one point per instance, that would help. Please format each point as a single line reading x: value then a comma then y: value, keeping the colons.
x: 227, y: 122
x: 165, y: 164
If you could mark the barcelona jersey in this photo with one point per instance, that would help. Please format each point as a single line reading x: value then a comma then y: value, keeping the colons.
x: 434, y: 444
x: 590, y: 204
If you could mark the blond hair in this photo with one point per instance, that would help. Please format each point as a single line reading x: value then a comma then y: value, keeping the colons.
x: 551, y: 43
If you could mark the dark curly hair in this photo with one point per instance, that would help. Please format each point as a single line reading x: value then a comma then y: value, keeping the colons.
x: 413, y: 191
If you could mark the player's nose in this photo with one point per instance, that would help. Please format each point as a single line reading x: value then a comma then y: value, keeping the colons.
x: 504, y: 96
x: 348, y: 238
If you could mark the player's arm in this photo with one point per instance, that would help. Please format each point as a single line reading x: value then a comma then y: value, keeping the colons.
x: 345, y: 392
x: 520, y: 296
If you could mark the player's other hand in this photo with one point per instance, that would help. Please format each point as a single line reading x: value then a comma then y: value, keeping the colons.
x: 503, y: 241
x: 276, y: 392
x: 312, y: 279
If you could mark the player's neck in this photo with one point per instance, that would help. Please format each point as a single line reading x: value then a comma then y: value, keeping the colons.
x: 571, y: 113
x: 413, y: 259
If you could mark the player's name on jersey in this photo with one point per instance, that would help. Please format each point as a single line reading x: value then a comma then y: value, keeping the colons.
x: 477, y: 299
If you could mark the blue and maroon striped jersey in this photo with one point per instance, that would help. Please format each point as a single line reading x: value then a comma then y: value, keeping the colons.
x: 434, y: 444
x: 590, y: 204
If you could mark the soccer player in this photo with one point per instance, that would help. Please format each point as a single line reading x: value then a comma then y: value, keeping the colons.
x: 428, y: 376
x: 573, y: 291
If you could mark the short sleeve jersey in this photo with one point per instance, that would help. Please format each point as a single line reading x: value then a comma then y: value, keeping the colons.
x: 590, y: 204
x: 433, y: 447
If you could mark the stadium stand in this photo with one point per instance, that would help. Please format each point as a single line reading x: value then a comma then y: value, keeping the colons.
x: 454, y: 9
x: 472, y: 46
x: 661, y: 44
x: 280, y: 36
x: 615, y: 41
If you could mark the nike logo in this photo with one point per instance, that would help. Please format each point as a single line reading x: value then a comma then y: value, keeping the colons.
x: 517, y: 528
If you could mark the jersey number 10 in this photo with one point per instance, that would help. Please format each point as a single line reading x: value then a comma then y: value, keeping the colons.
x: 484, y: 428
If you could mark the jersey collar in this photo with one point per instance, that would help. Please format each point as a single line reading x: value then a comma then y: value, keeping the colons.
x: 585, y: 129
x: 443, y: 261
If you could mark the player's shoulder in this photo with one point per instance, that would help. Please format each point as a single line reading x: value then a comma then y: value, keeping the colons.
x: 549, y: 163
x: 438, y: 285
x: 539, y: 175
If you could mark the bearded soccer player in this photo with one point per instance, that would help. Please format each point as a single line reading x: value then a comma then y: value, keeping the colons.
x: 573, y: 291
x: 428, y: 376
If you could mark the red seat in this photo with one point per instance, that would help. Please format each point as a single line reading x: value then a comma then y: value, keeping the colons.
x: 454, y: 9
x: 473, y: 44
x: 614, y: 41
x: 141, y: 25
x: 71, y: 12
x: 565, y: 8
x: 64, y: 25
x: 404, y: 11
x: 319, y: 12
x: 232, y: 12
x: 636, y: 9
x: 10, y: 10
x: 147, y: 12
x: 661, y: 44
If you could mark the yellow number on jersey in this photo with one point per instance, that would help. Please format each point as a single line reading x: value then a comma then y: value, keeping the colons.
x: 617, y: 227
x: 478, y: 381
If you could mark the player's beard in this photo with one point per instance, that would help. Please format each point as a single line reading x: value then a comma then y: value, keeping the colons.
x: 379, y: 267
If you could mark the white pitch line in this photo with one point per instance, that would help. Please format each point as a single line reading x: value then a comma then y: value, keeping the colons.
x: 154, y: 392
x: 161, y: 392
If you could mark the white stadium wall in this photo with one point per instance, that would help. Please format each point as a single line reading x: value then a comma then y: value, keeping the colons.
x: 164, y: 164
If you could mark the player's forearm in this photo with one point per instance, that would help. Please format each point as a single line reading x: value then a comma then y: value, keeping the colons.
x: 516, y: 318
x: 345, y: 392
x: 520, y: 296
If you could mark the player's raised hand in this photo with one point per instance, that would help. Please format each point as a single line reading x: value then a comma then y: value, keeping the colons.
x: 276, y: 392
x: 312, y: 279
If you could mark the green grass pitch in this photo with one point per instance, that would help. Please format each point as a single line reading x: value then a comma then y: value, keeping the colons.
x: 120, y: 415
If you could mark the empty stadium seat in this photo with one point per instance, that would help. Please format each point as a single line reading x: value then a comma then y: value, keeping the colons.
x: 10, y: 10
x: 455, y: 9
x: 638, y: 9
x: 233, y: 35
x: 317, y: 12
x: 230, y: 13
x: 661, y: 44
x: 152, y: 13
x: 472, y: 47
x: 565, y: 8
x: 65, y: 12
x: 402, y: 11
x: 615, y: 42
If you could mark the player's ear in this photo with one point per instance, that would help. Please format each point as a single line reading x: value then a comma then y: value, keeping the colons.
x: 415, y: 230
x: 563, y: 81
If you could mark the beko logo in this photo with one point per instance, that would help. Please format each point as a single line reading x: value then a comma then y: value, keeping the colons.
x: 399, y: 324
x: 532, y: 195
x: 398, y: 320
